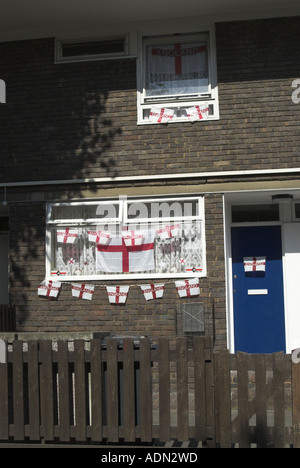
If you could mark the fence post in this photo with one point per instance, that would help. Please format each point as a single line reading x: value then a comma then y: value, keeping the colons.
x: 4, y: 433
x: 222, y: 398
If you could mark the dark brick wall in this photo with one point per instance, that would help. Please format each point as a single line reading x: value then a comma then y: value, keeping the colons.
x: 79, y: 119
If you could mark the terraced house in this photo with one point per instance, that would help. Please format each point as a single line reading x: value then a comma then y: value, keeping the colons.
x: 150, y: 169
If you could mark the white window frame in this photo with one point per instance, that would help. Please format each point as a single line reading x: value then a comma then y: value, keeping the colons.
x: 122, y: 219
x: 179, y: 105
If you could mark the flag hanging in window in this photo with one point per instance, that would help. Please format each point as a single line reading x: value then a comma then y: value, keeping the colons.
x: 162, y: 115
x: 117, y: 257
x: 67, y: 236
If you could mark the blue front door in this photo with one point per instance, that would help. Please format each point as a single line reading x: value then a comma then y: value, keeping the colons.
x: 258, y: 299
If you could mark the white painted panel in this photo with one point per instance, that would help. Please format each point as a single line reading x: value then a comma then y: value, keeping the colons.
x: 258, y: 292
x: 291, y: 252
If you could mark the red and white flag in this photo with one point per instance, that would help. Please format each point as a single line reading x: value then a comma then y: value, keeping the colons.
x: 117, y: 294
x: 198, y: 112
x: 49, y: 288
x: 188, y: 287
x: 162, y: 115
x: 99, y: 237
x: 83, y: 291
x: 168, y: 231
x: 254, y: 264
x: 117, y: 257
x: 67, y: 236
x: 132, y: 237
x: 153, y: 291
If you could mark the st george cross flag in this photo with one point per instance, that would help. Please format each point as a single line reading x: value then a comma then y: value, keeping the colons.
x: 168, y: 231
x: 162, y: 115
x: 49, y: 288
x: 153, y: 291
x: 99, y: 237
x: 254, y: 264
x: 83, y: 291
x: 117, y: 294
x: 117, y: 257
x: 198, y: 112
x: 176, y: 69
x: 188, y: 287
x: 133, y: 237
x: 67, y: 236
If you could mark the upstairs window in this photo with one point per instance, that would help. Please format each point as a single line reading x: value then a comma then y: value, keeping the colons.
x: 177, y: 79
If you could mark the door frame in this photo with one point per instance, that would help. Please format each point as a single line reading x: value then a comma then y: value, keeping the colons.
x: 235, y: 199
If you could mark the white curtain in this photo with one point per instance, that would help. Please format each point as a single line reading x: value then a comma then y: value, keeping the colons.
x: 173, y: 255
x: 176, y: 69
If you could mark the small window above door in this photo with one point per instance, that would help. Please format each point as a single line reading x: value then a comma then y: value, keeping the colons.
x: 254, y: 213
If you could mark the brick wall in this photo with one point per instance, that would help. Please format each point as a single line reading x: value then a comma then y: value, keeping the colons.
x: 79, y: 119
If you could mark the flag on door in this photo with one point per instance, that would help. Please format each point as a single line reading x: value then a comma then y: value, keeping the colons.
x: 254, y: 264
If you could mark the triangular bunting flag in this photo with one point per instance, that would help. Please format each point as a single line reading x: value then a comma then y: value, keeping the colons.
x: 49, y: 289
x: 67, y: 236
x: 99, y: 237
x: 162, y: 115
x: 168, y: 231
x: 132, y: 238
x: 188, y: 287
x: 117, y: 294
x: 153, y: 291
x: 83, y: 291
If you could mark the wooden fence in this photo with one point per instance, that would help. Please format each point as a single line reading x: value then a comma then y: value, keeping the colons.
x: 84, y: 392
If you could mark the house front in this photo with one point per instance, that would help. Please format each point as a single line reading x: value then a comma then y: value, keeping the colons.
x: 150, y: 179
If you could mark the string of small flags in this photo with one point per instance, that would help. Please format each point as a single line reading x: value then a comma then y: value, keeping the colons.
x: 118, y: 294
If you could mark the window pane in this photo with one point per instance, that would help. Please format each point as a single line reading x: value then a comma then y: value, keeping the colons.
x: 85, y: 211
x: 182, y: 253
x: 297, y: 210
x: 110, y: 46
x: 162, y: 209
x: 255, y: 213
x: 177, y: 69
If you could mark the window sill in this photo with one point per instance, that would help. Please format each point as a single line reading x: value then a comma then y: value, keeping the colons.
x: 132, y: 276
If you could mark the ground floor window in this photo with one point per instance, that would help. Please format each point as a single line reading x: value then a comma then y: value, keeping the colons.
x: 126, y: 237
